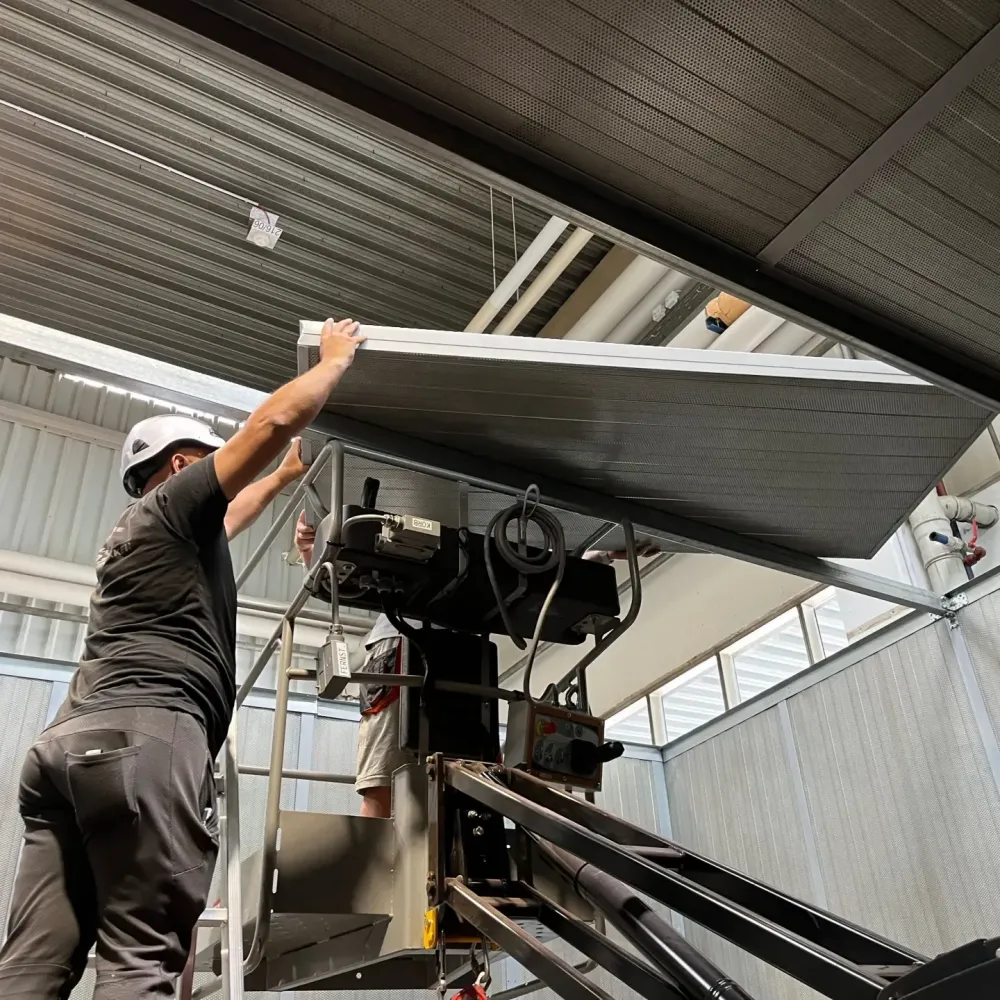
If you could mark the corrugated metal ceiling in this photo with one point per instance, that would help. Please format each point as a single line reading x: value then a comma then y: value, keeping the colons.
x: 730, y: 116
x: 920, y: 242
x: 118, y: 249
x: 707, y: 128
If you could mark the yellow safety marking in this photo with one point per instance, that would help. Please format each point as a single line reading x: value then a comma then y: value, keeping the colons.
x: 430, y: 929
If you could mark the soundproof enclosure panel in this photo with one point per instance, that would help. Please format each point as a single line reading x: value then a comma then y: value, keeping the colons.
x: 822, y: 456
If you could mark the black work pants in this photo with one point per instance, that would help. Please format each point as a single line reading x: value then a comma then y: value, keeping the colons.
x: 119, y: 847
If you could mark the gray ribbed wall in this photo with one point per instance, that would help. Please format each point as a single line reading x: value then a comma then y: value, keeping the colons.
x: 870, y: 793
x: 871, y: 787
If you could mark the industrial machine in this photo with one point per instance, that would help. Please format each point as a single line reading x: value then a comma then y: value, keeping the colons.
x: 488, y: 855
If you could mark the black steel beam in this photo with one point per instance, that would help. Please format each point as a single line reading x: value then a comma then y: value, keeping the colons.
x: 401, y: 113
x: 698, y: 977
x: 625, y: 967
x: 521, y: 946
x: 830, y: 973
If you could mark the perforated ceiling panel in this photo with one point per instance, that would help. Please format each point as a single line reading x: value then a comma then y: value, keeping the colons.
x: 724, y: 134
x: 820, y: 456
x: 723, y: 114
x: 919, y: 241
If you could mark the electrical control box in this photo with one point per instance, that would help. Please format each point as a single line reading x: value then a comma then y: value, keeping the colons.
x: 333, y: 666
x: 557, y: 744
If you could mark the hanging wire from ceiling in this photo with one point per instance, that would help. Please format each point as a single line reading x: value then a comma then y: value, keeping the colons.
x: 493, y: 241
x: 513, y: 225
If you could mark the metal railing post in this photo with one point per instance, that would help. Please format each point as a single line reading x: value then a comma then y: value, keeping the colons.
x: 232, y: 932
x: 272, y: 809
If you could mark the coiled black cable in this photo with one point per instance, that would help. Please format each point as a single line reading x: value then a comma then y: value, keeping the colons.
x: 552, y: 555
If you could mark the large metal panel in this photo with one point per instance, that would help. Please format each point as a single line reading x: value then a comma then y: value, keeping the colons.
x: 126, y: 251
x: 781, y: 449
x: 904, y: 807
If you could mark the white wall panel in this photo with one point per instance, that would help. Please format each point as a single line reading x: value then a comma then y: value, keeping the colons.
x: 733, y: 799
x: 903, y: 803
x: 981, y: 624
x: 23, y: 708
x: 869, y: 792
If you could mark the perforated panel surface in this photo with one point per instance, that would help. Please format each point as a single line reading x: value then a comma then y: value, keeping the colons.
x: 779, y: 449
x: 916, y: 242
x: 718, y: 113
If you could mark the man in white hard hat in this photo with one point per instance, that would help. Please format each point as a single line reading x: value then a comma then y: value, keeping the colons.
x: 118, y: 793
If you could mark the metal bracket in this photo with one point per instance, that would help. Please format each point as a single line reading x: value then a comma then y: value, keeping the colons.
x: 952, y: 605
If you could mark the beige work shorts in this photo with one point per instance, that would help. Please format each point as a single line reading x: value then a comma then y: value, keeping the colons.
x: 378, y: 737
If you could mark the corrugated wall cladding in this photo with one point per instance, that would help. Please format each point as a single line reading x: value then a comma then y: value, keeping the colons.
x: 869, y: 793
x: 982, y: 628
x: 107, y: 246
x: 59, y: 487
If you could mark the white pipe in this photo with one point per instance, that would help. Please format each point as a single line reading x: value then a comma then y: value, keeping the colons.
x: 966, y: 510
x: 695, y: 335
x: 641, y: 315
x: 945, y: 569
x: 789, y: 338
x: 546, y: 278
x: 517, y: 275
x: 617, y: 299
x: 813, y: 343
x: 750, y: 330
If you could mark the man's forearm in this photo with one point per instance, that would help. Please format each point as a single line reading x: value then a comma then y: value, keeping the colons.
x: 251, y: 501
x: 272, y: 425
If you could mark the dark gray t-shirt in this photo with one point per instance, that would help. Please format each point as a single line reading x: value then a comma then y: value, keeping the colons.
x: 162, y: 627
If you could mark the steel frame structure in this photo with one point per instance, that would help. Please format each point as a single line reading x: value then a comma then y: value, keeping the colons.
x: 601, y: 855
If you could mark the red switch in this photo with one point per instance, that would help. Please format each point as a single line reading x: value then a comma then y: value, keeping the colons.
x: 548, y: 728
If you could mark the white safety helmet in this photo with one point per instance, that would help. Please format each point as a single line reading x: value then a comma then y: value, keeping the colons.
x: 150, y: 440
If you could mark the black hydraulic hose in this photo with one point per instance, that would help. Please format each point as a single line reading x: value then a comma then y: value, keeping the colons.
x: 694, y: 974
x: 552, y: 555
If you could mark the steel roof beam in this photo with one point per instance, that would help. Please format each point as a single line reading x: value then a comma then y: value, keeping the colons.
x: 387, y: 106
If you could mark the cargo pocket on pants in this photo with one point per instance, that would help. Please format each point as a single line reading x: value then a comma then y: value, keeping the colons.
x: 102, y: 787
